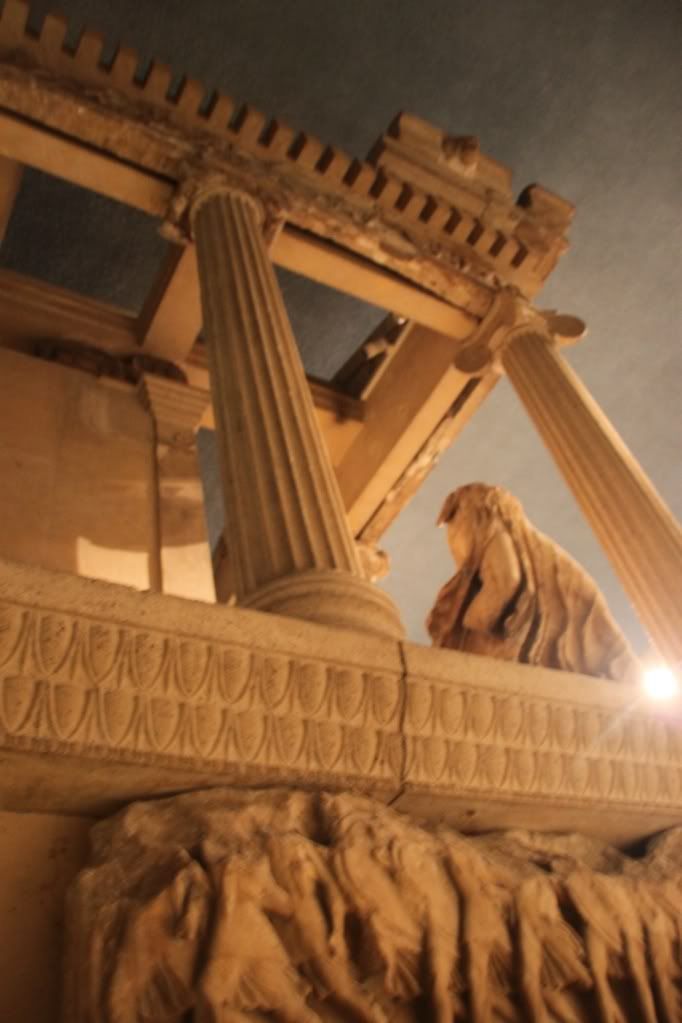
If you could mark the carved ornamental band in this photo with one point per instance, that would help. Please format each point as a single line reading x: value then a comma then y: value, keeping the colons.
x: 176, y: 685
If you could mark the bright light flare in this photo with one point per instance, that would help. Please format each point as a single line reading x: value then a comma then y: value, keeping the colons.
x: 660, y: 683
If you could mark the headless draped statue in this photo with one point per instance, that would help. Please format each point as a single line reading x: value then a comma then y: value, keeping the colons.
x: 519, y: 596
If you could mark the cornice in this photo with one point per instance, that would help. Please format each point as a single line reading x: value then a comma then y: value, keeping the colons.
x: 454, y: 239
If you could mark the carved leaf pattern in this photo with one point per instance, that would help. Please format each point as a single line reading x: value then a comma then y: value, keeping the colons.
x: 329, y: 743
x: 67, y: 708
x: 510, y: 716
x: 577, y: 772
x: 118, y: 710
x: 452, y: 709
x: 350, y: 692
x: 162, y: 717
x: 208, y: 724
x: 235, y: 674
x: 564, y: 727
x: 18, y: 695
x: 538, y: 718
x: 590, y: 729
x: 12, y: 631
x: 435, y: 757
x: 363, y: 749
x: 481, y: 714
x: 310, y: 680
x: 525, y: 767
x: 129, y: 691
x: 147, y: 655
x: 102, y: 648
x: 420, y: 708
x: 52, y: 641
x: 193, y: 659
x: 290, y: 739
x: 602, y: 779
x: 250, y: 731
x: 274, y: 681
x: 464, y: 761
x: 385, y: 693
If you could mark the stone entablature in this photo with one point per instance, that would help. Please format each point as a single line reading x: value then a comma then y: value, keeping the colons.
x: 473, y: 232
x: 107, y: 695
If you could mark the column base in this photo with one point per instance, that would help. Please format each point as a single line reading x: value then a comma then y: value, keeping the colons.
x: 331, y: 598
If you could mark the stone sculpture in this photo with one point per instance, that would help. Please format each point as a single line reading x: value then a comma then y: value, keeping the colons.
x: 293, y: 907
x: 518, y: 596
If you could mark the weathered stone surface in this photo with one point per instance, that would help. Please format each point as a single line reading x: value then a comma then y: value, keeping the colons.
x: 40, y: 855
x: 518, y: 596
x: 194, y: 691
x: 291, y: 906
x: 107, y: 695
x: 76, y: 469
x: 492, y: 744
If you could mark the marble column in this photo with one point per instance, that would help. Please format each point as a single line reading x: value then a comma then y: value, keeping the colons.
x: 291, y: 551
x: 636, y: 529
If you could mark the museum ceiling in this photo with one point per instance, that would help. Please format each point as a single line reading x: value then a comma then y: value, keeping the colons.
x: 581, y: 97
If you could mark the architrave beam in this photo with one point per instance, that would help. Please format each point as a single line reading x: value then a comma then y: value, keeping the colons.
x: 467, y: 401
x: 312, y: 200
x: 80, y: 164
x: 32, y: 311
x: 407, y: 404
x: 170, y: 322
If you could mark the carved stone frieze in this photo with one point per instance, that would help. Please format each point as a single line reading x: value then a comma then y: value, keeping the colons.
x: 315, y: 907
x: 509, y: 744
x: 81, y: 684
x: 199, y: 694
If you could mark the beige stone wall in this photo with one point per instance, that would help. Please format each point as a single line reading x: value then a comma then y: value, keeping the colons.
x: 77, y: 468
x: 39, y: 856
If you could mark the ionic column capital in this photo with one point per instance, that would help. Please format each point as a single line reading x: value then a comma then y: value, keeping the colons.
x: 509, y: 317
x: 198, y: 186
x: 213, y: 186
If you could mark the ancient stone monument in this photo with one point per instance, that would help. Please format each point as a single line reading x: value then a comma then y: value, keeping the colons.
x: 298, y: 906
x: 270, y: 805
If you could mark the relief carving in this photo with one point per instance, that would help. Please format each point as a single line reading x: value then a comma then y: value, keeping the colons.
x: 69, y: 682
x: 517, y: 596
x: 293, y: 906
x: 242, y: 707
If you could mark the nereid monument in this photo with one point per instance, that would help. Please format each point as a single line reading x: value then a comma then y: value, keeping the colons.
x: 232, y: 790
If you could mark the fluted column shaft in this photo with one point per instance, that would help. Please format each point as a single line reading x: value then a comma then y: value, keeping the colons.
x: 289, y: 544
x: 635, y: 527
